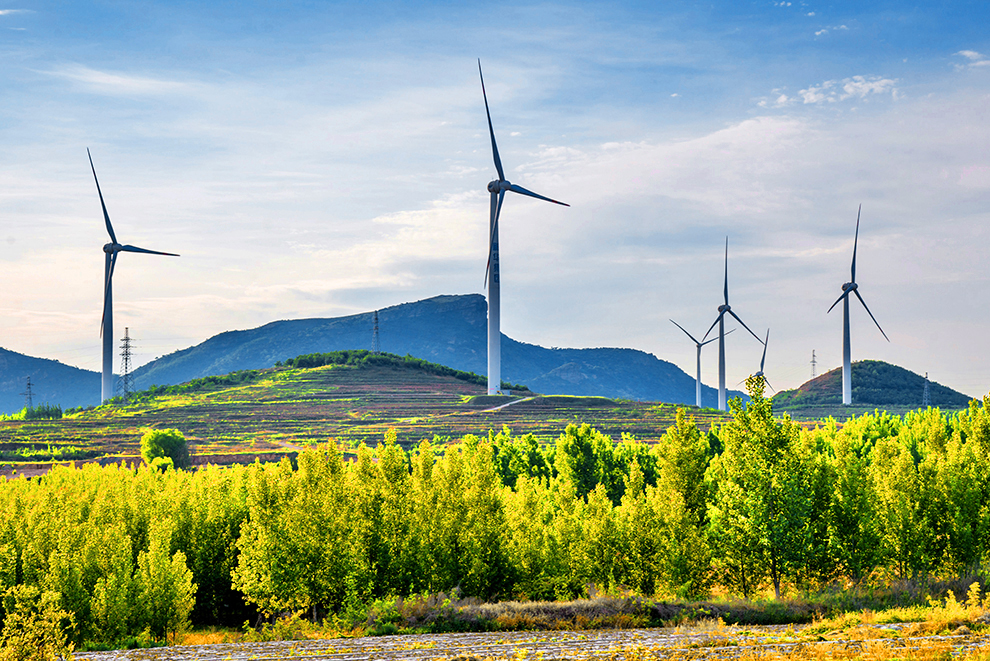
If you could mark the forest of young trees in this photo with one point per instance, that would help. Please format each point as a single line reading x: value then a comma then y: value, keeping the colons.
x: 758, y: 504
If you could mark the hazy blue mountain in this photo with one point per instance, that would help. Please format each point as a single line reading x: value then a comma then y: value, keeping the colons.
x: 450, y: 330
x: 52, y: 382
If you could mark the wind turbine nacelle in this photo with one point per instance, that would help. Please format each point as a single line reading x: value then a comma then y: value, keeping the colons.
x: 724, y: 308
x: 108, y: 248
x: 850, y: 286
x: 493, y: 187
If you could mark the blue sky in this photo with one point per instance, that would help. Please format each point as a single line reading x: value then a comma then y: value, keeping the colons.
x: 321, y: 159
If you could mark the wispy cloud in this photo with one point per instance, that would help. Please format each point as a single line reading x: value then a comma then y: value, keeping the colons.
x: 117, y: 84
x: 856, y: 87
x: 974, y: 60
x: 826, y: 30
x: 5, y: 12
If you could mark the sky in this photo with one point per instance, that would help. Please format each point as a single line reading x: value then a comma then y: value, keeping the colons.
x: 319, y: 159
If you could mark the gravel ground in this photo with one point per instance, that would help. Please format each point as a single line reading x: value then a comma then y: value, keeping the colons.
x: 717, y: 642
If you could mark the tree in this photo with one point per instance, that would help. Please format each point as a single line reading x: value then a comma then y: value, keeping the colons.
x: 761, y: 503
x: 164, y: 585
x: 166, y: 444
x: 35, y: 628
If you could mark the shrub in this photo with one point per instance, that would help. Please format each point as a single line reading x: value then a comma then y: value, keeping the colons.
x: 166, y: 443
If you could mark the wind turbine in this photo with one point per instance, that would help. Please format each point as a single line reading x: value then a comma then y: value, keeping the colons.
x: 698, y: 345
x: 106, y: 327
x: 720, y: 320
x: 763, y: 361
x: 852, y: 287
x: 497, y: 188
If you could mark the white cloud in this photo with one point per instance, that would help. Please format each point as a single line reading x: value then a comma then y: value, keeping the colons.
x: 5, y: 12
x: 856, y: 87
x: 117, y: 84
x: 975, y: 59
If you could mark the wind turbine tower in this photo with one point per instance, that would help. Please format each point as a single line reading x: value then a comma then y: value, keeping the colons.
x: 720, y: 320
x: 110, y: 250
x: 851, y: 288
x: 497, y: 189
x: 698, y: 345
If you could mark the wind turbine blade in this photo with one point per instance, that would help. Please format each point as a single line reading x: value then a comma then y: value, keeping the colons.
x: 523, y: 191
x: 856, y: 291
x: 106, y: 216
x: 855, y: 244
x: 844, y: 294
x: 496, y: 210
x: 491, y: 131
x: 728, y: 332
x: 764, y: 359
x: 727, y: 272
x: 685, y: 332
x: 768, y: 383
x: 144, y: 250
x: 745, y: 326
x: 106, y: 291
x: 720, y: 315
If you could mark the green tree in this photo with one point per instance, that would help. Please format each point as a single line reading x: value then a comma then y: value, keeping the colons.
x: 35, y: 627
x: 760, y: 505
x: 166, y: 592
x: 166, y: 444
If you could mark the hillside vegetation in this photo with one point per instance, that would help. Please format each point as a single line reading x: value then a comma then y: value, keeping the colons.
x: 352, y: 396
x: 875, y: 385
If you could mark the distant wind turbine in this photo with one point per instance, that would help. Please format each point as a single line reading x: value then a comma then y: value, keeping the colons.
x: 106, y: 327
x: 852, y: 287
x: 497, y: 188
x: 720, y: 320
x: 698, y: 345
x: 763, y: 362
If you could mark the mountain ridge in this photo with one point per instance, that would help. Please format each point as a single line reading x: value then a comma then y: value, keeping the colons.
x: 449, y: 329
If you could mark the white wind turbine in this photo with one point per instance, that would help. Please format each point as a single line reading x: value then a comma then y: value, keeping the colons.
x: 698, y: 345
x: 720, y: 320
x: 497, y: 188
x: 106, y: 327
x: 851, y: 287
x: 763, y: 361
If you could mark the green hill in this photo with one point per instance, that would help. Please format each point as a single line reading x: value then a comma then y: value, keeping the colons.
x: 351, y: 396
x: 875, y: 385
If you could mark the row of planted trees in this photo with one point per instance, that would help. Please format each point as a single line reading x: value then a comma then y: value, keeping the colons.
x: 755, y: 504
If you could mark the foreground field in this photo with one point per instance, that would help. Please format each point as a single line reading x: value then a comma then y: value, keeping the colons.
x: 707, y: 640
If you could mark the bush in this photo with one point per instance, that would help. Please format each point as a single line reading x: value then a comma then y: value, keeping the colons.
x: 165, y: 443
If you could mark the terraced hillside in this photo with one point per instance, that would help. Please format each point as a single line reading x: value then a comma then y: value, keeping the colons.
x: 281, y: 409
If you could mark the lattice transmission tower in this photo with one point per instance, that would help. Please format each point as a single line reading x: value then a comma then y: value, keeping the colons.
x: 28, y: 396
x: 926, y: 399
x: 814, y: 363
x: 376, y: 346
x: 126, y: 384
